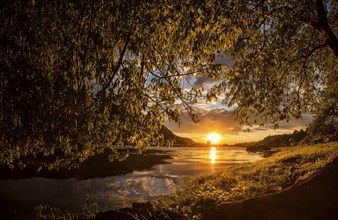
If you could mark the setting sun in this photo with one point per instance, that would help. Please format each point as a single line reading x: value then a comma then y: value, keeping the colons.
x: 213, y: 138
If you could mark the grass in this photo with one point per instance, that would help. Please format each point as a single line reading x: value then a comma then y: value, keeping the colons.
x: 277, y: 173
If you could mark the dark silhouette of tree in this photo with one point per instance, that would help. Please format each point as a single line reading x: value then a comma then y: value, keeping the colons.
x: 80, y: 76
x: 77, y: 77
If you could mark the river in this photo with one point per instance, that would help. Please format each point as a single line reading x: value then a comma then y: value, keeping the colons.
x: 118, y: 190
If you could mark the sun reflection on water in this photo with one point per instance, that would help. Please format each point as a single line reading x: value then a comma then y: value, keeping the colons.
x: 213, y: 155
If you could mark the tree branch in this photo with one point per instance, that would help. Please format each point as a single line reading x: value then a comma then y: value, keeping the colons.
x: 322, y: 26
x: 117, y: 67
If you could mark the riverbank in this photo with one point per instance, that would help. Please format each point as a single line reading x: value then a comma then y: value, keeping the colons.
x: 204, y: 195
x: 98, y: 166
x: 169, y: 168
x: 315, y: 198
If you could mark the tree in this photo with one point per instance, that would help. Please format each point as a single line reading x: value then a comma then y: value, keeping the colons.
x: 78, y: 77
x: 285, y: 57
x: 324, y: 127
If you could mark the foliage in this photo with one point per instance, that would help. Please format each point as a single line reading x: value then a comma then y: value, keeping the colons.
x: 245, y: 181
x: 80, y: 76
x: 285, y: 58
x: 48, y: 212
x: 324, y: 127
x: 283, y: 140
x: 77, y: 77
x: 319, y: 131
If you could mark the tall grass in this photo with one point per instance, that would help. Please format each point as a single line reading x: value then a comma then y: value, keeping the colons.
x: 279, y: 172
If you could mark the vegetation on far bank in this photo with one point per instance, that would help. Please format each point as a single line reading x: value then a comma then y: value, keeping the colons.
x: 315, y: 133
x: 279, y: 172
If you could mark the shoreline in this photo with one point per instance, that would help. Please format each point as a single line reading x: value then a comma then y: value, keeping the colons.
x: 140, y: 209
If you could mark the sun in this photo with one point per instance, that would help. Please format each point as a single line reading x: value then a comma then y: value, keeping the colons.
x: 213, y: 137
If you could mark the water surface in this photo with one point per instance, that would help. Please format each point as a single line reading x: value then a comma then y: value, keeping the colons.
x: 137, y: 186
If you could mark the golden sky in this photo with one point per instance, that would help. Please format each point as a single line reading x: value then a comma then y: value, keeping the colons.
x: 221, y: 121
x: 215, y: 117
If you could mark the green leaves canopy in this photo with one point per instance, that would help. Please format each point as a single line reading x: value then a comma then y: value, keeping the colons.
x: 78, y: 77
x: 285, y: 57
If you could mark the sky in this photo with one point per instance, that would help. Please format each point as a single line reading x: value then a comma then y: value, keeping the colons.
x: 222, y: 121
x: 215, y: 117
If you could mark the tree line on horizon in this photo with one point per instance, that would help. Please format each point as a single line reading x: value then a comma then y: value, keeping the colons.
x: 308, y: 136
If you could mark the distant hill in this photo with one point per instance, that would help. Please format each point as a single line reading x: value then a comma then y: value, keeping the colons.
x: 178, y: 141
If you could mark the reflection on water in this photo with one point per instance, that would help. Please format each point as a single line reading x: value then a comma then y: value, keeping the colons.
x: 112, y: 192
x: 213, y: 155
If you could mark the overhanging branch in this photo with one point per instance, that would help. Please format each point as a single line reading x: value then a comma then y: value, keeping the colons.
x: 322, y: 26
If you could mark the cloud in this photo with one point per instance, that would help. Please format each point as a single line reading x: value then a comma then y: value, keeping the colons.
x: 201, y: 80
x: 294, y: 124
x: 222, y: 120
x: 218, y: 119
x: 223, y: 60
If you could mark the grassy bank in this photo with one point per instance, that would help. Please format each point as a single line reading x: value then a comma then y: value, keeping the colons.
x: 279, y: 172
x: 202, y: 194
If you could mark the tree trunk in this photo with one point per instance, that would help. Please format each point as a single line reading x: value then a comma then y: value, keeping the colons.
x: 322, y: 26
